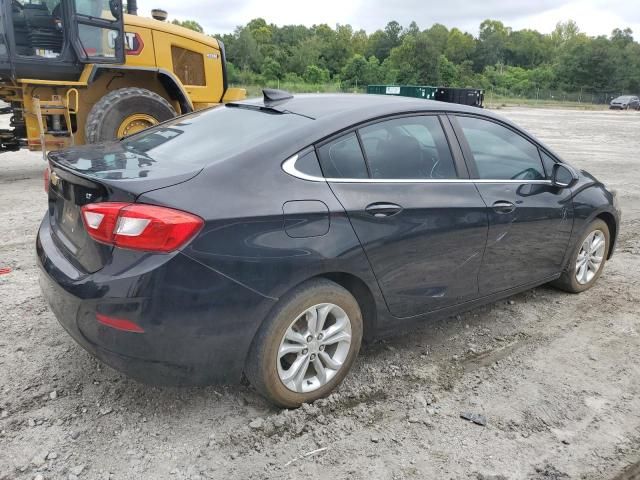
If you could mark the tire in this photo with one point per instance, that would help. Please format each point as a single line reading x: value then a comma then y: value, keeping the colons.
x: 109, y: 113
x: 569, y: 280
x: 265, y: 368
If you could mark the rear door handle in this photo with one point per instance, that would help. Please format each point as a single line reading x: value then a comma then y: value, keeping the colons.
x: 383, y: 209
x: 503, y: 206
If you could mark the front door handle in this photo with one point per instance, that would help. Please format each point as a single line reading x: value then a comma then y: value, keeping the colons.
x: 503, y: 206
x: 383, y: 209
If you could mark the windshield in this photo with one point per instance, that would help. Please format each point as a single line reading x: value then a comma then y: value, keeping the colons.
x: 624, y: 98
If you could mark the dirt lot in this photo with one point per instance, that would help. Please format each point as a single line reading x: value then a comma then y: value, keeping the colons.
x: 556, y: 376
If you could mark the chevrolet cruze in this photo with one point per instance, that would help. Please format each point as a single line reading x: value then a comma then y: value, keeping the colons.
x: 268, y: 238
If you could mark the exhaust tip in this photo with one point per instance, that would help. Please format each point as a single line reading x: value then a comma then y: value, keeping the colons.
x: 159, y: 14
x: 132, y: 7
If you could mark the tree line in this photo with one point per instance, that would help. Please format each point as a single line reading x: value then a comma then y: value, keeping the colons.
x: 499, y: 57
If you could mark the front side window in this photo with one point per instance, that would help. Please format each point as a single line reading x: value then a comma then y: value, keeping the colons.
x: 408, y: 148
x: 96, y: 9
x: 548, y: 163
x: 98, y: 41
x: 500, y: 153
x: 342, y: 158
x: 100, y: 31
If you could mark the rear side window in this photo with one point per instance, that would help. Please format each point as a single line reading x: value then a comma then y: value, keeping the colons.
x: 342, y: 158
x: 500, y: 153
x: 408, y: 148
x: 308, y: 164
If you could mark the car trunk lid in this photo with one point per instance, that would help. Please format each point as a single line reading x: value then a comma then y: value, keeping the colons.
x: 100, y: 173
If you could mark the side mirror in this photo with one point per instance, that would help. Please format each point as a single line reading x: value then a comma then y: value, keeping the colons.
x: 116, y: 8
x: 563, y: 176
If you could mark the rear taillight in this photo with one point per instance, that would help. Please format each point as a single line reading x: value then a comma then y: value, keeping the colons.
x: 119, y: 323
x: 47, y: 179
x: 140, y: 227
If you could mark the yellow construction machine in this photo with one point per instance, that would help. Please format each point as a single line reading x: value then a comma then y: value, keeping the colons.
x: 84, y: 71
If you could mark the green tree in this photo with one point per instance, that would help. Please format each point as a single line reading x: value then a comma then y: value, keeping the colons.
x: 356, y: 71
x: 447, y: 72
x: 437, y: 37
x: 521, y: 61
x: 622, y: 38
x: 246, y: 53
x: 492, y: 44
x: 271, y: 69
x: 305, y: 53
x: 564, y: 32
x: 190, y: 24
x: 527, y: 48
x: 381, y: 42
x: 460, y: 46
x: 316, y: 75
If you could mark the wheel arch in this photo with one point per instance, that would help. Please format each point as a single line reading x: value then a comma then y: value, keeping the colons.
x: 171, y: 84
x: 363, y: 295
x: 610, y: 220
x: 355, y: 286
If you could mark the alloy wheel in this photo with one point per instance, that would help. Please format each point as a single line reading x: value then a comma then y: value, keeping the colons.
x: 590, y: 257
x: 314, y: 348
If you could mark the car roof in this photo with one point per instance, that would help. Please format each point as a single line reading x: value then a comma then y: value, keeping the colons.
x: 334, y: 112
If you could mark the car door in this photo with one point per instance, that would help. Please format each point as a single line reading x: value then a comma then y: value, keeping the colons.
x: 422, y: 226
x: 530, y: 221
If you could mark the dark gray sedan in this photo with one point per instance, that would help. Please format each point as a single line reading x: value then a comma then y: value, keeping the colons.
x: 270, y: 237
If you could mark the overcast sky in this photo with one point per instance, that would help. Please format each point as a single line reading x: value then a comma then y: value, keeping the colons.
x: 595, y: 17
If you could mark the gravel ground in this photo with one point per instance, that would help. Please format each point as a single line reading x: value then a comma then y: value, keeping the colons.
x: 555, y: 376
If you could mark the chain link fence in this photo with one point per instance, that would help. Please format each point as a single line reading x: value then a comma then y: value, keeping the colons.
x: 537, y: 95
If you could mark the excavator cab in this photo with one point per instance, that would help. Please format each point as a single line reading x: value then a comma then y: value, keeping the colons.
x: 82, y: 71
x: 52, y: 39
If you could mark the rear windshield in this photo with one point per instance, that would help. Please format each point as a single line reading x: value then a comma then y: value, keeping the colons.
x: 204, y: 137
x: 182, y: 145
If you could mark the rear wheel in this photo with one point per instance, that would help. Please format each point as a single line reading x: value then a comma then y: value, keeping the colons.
x: 588, y: 259
x: 124, y: 112
x: 308, y: 344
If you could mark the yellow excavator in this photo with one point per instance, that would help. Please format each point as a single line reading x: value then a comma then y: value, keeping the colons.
x: 84, y: 71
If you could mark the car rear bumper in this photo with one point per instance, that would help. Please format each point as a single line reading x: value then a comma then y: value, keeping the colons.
x: 198, y: 325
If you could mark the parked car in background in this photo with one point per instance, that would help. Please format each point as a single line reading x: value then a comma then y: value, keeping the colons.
x: 271, y: 237
x: 625, y: 102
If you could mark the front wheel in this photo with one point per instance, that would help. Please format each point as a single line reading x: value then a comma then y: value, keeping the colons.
x: 587, y: 260
x: 124, y: 112
x: 307, y: 346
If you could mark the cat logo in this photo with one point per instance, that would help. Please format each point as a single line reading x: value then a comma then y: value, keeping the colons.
x: 133, y: 44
